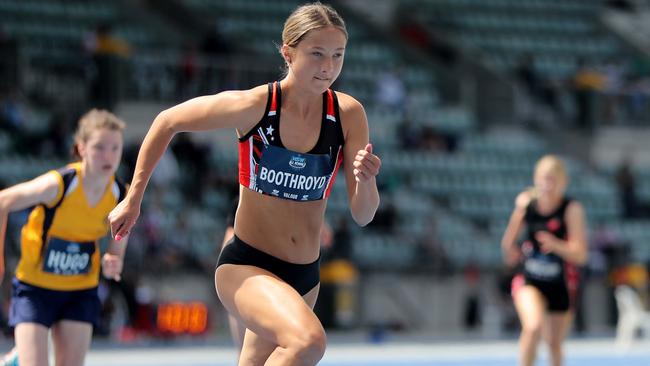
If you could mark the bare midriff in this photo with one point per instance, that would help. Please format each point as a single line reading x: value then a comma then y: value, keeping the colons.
x: 285, y: 229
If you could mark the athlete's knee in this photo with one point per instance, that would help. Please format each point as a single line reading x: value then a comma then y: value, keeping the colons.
x: 533, y: 331
x: 308, y: 343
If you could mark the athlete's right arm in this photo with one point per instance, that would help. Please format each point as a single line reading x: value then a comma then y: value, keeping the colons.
x: 508, y: 242
x: 230, y: 109
x: 43, y: 189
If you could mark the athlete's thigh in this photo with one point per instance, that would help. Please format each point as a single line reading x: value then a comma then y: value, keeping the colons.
x: 71, y: 340
x: 531, y: 307
x: 265, y: 304
x: 557, y: 326
x: 31, y: 342
x: 257, y: 349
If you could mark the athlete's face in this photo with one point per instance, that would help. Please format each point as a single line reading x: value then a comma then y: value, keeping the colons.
x: 549, y: 183
x: 318, y: 58
x: 102, y: 151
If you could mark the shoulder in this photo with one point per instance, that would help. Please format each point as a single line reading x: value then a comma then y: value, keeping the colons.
x: 63, y: 178
x: 251, y: 99
x: 225, y: 102
x: 54, y: 178
x: 523, y: 199
x: 353, y: 115
x: 249, y: 104
x: 228, y: 109
x: 50, y: 186
x: 249, y: 96
x: 574, y: 207
x: 348, y: 105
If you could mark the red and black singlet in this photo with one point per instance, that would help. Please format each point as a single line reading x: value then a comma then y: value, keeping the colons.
x: 540, y: 266
x: 267, y: 167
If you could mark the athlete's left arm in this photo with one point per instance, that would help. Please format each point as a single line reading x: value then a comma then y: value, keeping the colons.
x: 113, y: 259
x: 574, y: 249
x: 360, y: 164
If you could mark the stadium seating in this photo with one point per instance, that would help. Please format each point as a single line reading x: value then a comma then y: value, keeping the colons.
x: 557, y: 33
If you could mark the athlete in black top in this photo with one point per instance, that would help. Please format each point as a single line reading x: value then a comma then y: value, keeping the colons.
x: 555, y: 243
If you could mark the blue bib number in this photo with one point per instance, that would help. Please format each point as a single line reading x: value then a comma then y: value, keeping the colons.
x: 67, y: 258
x: 544, y: 267
x: 291, y: 175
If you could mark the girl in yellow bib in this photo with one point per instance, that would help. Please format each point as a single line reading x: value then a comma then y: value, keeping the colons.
x: 55, y: 286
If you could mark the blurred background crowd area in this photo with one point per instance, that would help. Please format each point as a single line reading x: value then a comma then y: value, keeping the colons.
x: 462, y: 98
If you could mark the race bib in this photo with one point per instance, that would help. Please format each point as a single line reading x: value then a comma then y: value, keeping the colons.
x: 543, y: 267
x: 68, y: 258
x: 295, y: 176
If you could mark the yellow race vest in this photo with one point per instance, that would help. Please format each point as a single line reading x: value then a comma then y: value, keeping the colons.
x: 59, y: 242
